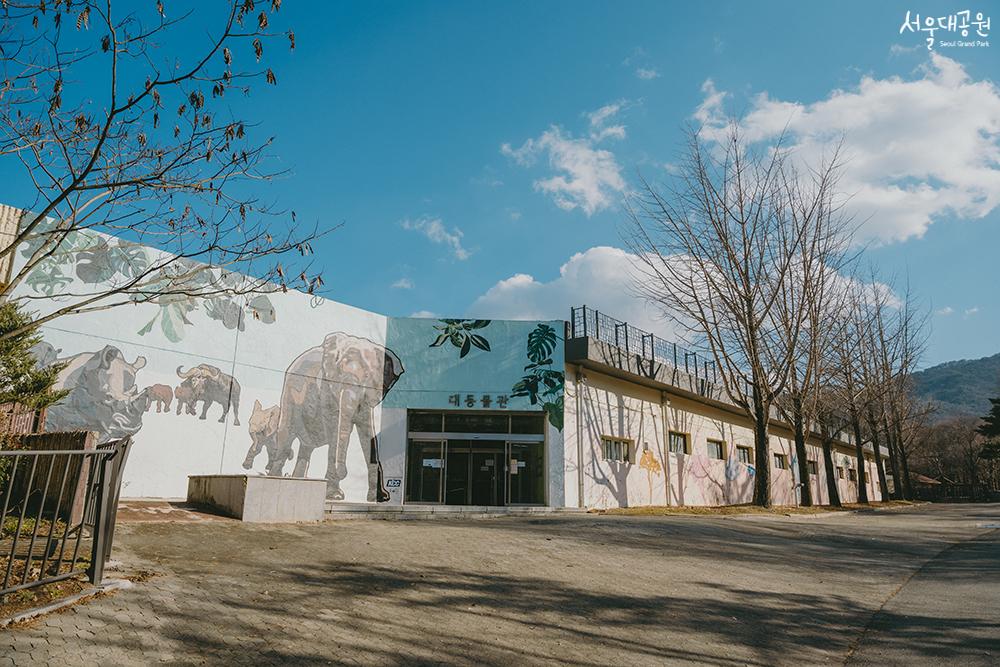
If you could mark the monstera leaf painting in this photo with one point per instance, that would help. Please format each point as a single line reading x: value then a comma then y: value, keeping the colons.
x: 96, y: 259
x: 542, y: 383
x: 106, y: 260
x: 460, y: 334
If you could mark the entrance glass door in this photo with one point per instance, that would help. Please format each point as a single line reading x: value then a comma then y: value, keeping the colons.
x: 477, y: 458
x: 488, y: 475
x: 457, y: 473
x: 526, y: 463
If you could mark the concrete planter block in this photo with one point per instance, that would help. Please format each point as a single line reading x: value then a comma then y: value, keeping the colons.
x: 260, y: 499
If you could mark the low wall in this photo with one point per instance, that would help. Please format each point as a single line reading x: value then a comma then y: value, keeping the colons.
x: 260, y: 499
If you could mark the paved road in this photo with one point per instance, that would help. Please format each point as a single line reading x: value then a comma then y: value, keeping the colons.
x: 920, y: 586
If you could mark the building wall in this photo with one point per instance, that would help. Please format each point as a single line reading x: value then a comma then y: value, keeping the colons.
x: 599, y: 405
x: 282, y: 384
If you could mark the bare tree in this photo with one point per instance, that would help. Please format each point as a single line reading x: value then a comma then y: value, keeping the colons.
x: 721, y: 254
x: 120, y: 121
x: 817, y: 277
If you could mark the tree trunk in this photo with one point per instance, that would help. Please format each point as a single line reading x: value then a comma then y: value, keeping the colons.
x: 762, y: 479
x: 800, y: 454
x: 883, y: 484
x: 897, y: 482
x: 831, y: 474
x: 860, y: 453
x: 906, y: 486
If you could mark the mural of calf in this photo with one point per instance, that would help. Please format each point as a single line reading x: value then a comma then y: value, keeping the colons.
x: 209, y: 385
x: 162, y: 395
x: 329, y: 391
x: 263, y: 428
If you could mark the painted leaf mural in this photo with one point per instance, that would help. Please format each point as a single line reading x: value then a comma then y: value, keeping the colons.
x: 95, y: 259
x: 459, y: 333
x: 541, y: 383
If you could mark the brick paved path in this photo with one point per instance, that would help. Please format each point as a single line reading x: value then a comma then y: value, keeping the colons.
x: 583, y: 589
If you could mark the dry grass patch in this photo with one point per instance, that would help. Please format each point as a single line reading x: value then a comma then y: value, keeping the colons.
x: 39, y: 596
x: 723, y: 510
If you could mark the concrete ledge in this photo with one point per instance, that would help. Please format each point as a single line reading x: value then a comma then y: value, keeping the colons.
x: 259, y: 499
x: 62, y: 603
x: 341, y: 510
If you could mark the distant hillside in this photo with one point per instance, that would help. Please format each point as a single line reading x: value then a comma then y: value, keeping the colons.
x: 960, y: 388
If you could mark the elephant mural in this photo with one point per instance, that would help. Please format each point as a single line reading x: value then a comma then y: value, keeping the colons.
x: 329, y: 391
x: 209, y: 385
x: 102, y: 397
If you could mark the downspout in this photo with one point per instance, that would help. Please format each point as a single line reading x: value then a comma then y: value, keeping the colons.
x: 579, y: 440
x: 665, y: 453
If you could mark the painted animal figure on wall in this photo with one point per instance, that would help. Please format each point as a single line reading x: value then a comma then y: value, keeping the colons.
x: 185, y: 399
x: 263, y: 428
x: 162, y: 395
x: 102, y: 397
x: 209, y: 385
x: 329, y: 391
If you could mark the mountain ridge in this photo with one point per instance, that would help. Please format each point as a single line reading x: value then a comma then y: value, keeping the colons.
x: 959, y: 388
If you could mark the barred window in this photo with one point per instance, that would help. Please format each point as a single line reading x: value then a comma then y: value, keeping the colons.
x: 678, y: 443
x: 744, y: 454
x: 616, y: 449
x: 716, y: 449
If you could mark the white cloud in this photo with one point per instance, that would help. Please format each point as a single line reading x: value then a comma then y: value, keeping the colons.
x: 916, y: 149
x: 600, y: 278
x: 424, y: 314
x: 435, y: 230
x: 403, y: 283
x: 944, y: 312
x: 969, y: 312
x: 590, y: 177
x: 647, y: 73
x: 515, y: 215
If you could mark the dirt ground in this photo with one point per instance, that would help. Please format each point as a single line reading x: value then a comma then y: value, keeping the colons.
x: 910, y: 586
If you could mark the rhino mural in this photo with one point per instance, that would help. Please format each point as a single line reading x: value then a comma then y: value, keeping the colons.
x: 329, y: 391
x: 209, y: 385
x: 102, y: 397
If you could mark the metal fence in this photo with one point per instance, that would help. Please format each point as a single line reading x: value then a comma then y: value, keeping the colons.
x: 57, y: 518
x: 586, y: 322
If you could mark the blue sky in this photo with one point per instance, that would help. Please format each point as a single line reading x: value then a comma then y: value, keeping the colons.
x: 464, y: 148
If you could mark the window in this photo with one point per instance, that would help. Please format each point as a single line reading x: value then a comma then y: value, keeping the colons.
x: 616, y: 449
x: 678, y: 443
x: 840, y: 472
x: 813, y: 468
x: 744, y: 454
x: 781, y: 462
x: 716, y: 449
x: 852, y: 475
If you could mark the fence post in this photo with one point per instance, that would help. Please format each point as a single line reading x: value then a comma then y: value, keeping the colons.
x: 102, y: 510
x: 597, y: 325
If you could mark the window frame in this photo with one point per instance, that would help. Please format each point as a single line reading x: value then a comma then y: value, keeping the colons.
x: 722, y: 449
x: 749, y: 450
x: 852, y: 475
x: 612, y: 444
x: 840, y: 473
x: 687, y: 442
x: 780, y: 460
x: 813, y: 466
